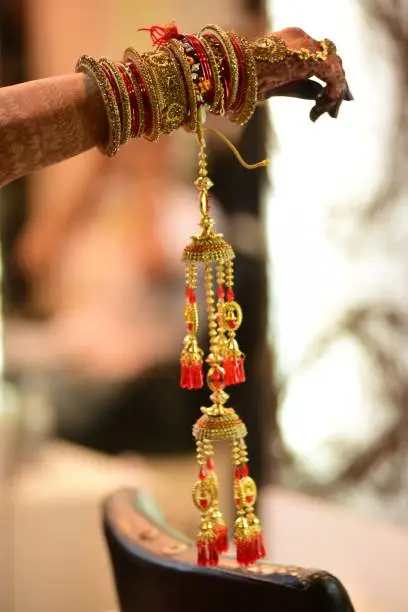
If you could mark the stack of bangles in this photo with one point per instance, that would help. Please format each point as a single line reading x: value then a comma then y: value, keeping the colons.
x: 150, y: 94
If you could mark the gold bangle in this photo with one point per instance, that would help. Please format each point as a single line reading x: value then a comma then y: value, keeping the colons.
x: 124, y: 100
x: 88, y: 65
x: 222, y: 37
x: 247, y: 108
x: 153, y: 95
x: 217, y: 105
x: 172, y: 90
x: 139, y: 101
x: 177, y: 49
x: 157, y: 84
x: 178, y: 77
x: 154, y: 132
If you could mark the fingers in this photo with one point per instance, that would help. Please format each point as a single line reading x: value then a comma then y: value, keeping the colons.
x: 307, y: 89
x: 325, y: 104
x: 336, y: 91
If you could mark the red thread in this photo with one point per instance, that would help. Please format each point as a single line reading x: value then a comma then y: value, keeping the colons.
x: 161, y: 34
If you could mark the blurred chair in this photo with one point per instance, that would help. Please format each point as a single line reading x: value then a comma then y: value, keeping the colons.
x: 154, y: 569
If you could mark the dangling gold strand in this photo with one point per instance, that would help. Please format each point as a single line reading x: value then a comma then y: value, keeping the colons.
x: 262, y: 164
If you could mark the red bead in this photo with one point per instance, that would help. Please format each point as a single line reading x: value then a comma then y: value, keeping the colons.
x: 220, y: 292
x: 218, y: 380
x: 203, y: 503
x: 245, y: 470
x: 202, y: 473
x: 230, y: 294
x: 190, y: 293
x: 231, y: 323
x: 237, y: 472
x: 249, y: 499
x: 210, y: 463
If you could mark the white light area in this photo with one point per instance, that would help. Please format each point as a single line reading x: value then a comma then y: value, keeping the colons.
x: 328, y: 404
x: 317, y: 168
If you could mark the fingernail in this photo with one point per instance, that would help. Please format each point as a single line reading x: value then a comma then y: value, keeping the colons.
x: 336, y: 108
x: 314, y: 115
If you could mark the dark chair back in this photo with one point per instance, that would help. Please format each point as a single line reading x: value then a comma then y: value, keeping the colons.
x: 155, y: 571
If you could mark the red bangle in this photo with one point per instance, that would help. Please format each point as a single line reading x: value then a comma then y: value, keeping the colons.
x: 204, y: 64
x: 225, y: 72
x: 146, y: 101
x: 132, y: 99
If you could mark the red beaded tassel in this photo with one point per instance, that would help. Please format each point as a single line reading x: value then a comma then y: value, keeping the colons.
x: 248, y: 535
x: 191, y: 360
x: 233, y: 358
x: 212, y: 539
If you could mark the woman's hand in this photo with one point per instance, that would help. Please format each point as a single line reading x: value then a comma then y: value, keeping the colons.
x: 291, y: 75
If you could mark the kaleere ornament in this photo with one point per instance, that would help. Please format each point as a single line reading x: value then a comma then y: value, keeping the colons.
x: 210, y: 252
x: 210, y: 255
x: 155, y: 93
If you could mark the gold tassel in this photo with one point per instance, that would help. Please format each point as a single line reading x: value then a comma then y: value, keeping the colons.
x: 248, y: 535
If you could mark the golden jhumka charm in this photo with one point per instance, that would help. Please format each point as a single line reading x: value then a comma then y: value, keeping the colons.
x: 210, y: 252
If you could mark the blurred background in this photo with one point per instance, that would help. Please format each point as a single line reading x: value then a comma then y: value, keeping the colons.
x: 92, y: 296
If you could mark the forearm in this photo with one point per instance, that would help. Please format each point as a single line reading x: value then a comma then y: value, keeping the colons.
x: 44, y: 122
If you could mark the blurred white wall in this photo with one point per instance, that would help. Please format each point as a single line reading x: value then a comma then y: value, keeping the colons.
x: 320, y: 261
